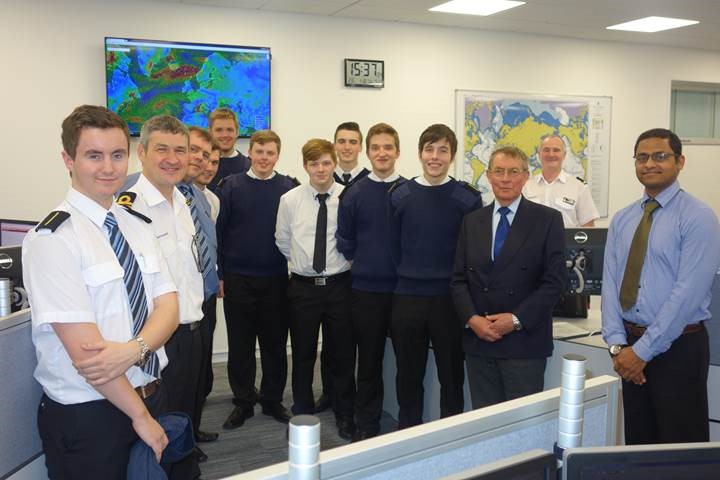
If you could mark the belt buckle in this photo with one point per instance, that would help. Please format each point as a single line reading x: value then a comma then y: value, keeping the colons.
x: 320, y: 281
x: 142, y: 392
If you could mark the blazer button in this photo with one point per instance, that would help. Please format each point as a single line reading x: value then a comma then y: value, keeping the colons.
x: 486, y: 289
x: 511, y: 292
x: 472, y: 269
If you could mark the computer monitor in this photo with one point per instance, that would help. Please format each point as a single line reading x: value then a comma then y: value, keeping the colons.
x: 672, y: 461
x: 12, y: 232
x: 11, y: 267
x: 530, y: 465
x: 584, y: 254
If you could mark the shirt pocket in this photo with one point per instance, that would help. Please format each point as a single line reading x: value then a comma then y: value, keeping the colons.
x: 149, y: 263
x: 105, y: 282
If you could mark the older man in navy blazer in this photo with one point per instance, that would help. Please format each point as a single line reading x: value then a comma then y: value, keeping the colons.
x: 509, y: 273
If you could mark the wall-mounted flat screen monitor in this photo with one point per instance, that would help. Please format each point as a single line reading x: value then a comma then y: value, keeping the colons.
x: 12, y: 232
x: 672, y: 461
x: 530, y: 465
x: 188, y: 81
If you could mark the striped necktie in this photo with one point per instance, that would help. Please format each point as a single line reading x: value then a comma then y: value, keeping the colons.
x: 132, y: 277
x: 202, y: 242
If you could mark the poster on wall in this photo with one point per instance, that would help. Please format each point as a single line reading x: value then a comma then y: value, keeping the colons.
x: 491, y: 119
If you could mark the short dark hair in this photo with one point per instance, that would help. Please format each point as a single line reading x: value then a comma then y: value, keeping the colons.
x: 89, y: 116
x: 380, y: 128
x: 202, y: 132
x: 437, y: 132
x: 674, y: 140
x: 163, y: 124
x: 352, y: 126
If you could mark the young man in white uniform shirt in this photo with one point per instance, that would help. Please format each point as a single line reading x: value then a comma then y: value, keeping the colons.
x: 163, y: 152
x: 96, y: 402
x: 557, y: 189
x: 319, y: 291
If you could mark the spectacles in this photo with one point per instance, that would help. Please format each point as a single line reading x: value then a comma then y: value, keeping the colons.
x: 195, y: 248
x: 512, y: 172
x: 658, y: 157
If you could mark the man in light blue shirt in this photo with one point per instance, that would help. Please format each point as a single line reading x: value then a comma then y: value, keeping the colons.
x: 653, y: 319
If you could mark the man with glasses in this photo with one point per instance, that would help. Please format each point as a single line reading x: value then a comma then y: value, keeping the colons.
x: 509, y: 273
x: 555, y: 188
x: 661, y: 257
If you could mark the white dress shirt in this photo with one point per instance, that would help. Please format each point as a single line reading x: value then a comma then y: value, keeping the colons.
x: 389, y: 179
x: 73, y: 276
x: 353, y: 173
x: 423, y: 181
x: 174, y: 229
x: 295, y: 230
x: 252, y: 174
x: 566, y: 194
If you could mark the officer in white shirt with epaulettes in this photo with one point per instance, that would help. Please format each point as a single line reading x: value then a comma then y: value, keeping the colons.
x: 96, y: 402
x: 555, y: 188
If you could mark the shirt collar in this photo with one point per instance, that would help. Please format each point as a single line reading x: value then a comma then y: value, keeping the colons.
x: 353, y: 173
x: 423, y: 181
x: 388, y: 179
x: 251, y: 174
x: 331, y: 191
x: 562, y: 178
x: 88, y: 207
x: 152, y: 195
x: 513, y: 206
x: 664, y: 197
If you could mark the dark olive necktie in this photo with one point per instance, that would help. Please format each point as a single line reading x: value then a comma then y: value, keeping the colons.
x: 636, y: 257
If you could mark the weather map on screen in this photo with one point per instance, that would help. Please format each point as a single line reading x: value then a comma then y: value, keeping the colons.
x: 187, y: 80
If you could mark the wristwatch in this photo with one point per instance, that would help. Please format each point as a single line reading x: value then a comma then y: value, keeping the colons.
x: 615, y: 349
x: 144, y: 352
x: 516, y: 323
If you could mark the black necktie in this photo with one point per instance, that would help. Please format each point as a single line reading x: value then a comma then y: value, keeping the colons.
x: 320, y: 234
x: 346, y: 178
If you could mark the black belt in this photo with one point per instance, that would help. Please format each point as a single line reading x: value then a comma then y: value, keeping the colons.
x: 320, y: 281
x: 148, y: 389
x: 189, y: 326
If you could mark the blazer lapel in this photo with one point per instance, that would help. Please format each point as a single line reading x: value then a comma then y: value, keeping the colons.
x: 519, y: 230
x: 483, y: 234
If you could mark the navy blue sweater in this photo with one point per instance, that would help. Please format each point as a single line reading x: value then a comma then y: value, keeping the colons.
x: 424, y: 226
x: 229, y: 166
x: 246, y: 225
x: 363, y: 235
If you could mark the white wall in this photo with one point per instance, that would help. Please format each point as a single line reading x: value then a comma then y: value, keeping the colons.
x: 52, y: 55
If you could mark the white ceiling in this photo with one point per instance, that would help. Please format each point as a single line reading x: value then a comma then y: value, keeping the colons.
x: 570, y: 18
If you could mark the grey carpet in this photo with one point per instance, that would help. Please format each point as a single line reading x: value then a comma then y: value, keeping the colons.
x: 261, y: 440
